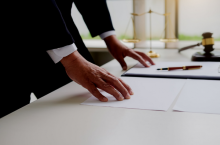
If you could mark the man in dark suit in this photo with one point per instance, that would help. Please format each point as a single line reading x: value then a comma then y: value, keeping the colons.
x: 47, y: 46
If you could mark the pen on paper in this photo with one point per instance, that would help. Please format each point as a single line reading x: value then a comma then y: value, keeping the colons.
x: 183, y: 68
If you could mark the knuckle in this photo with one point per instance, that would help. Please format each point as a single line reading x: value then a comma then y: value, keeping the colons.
x: 96, y: 73
x: 129, y: 51
x: 117, y: 81
x: 104, y: 69
x: 105, y: 85
x: 92, y: 90
x: 109, y: 74
x: 139, y: 57
x: 120, y: 80
x: 136, y: 55
x: 114, y: 79
x: 87, y: 84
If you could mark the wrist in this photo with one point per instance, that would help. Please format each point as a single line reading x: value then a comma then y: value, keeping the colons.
x: 70, y: 59
x: 111, y: 41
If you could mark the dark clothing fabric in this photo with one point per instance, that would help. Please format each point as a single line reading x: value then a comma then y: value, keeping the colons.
x: 30, y: 28
x: 20, y: 82
x: 96, y: 16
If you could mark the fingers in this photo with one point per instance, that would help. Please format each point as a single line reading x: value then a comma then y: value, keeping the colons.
x: 145, y: 57
x: 116, y: 83
x: 137, y: 57
x: 94, y: 91
x: 110, y: 84
x: 122, y: 63
x: 109, y: 89
x: 126, y: 86
x: 123, y: 83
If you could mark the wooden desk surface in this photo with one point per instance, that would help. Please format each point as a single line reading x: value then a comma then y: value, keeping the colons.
x: 59, y: 119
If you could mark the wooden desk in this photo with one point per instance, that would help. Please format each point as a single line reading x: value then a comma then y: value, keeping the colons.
x: 59, y: 119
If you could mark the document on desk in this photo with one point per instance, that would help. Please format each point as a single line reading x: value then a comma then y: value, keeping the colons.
x: 209, y: 70
x: 201, y: 96
x: 149, y: 93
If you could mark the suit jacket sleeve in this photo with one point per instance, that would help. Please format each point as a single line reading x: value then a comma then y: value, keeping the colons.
x: 96, y: 15
x: 49, y: 28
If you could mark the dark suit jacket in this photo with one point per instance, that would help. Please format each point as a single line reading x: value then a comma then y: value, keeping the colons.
x: 57, y: 24
x: 95, y: 14
x: 30, y: 28
x: 43, y: 25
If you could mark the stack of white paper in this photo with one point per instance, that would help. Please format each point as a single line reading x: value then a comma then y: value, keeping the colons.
x: 201, y: 96
x: 149, y: 93
x: 158, y: 93
x: 209, y: 70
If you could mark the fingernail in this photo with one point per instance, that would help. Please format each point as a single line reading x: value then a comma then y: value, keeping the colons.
x: 124, y: 67
x: 120, y: 98
x: 128, y: 97
x: 131, y: 92
x: 104, y: 99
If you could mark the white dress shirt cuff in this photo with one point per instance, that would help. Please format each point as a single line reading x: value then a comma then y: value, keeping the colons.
x: 106, y: 34
x: 57, y: 54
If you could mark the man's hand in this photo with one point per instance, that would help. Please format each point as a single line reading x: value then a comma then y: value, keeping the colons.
x: 92, y: 77
x: 120, y: 51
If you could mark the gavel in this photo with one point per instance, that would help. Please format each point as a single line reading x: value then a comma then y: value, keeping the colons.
x: 207, y: 42
x: 208, y: 54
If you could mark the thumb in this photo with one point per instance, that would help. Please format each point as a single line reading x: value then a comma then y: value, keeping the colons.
x: 122, y: 63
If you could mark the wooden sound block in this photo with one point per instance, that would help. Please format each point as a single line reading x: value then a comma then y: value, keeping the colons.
x: 202, y: 56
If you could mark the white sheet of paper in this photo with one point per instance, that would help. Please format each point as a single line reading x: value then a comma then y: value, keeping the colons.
x: 208, y: 69
x: 201, y: 96
x: 149, y: 93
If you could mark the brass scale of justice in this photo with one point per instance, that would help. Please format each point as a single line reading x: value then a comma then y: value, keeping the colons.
x: 166, y: 40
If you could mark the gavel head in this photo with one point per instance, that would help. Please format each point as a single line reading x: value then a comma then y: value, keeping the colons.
x: 208, y: 42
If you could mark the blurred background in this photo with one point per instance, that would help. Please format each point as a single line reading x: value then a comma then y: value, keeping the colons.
x: 194, y: 16
x: 189, y: 19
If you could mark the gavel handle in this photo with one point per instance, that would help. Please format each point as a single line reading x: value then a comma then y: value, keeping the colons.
x: 188, y: 47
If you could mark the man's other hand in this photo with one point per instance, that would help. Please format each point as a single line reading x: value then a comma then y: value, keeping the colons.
x: 119, y: 51
x: 92, y: 77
